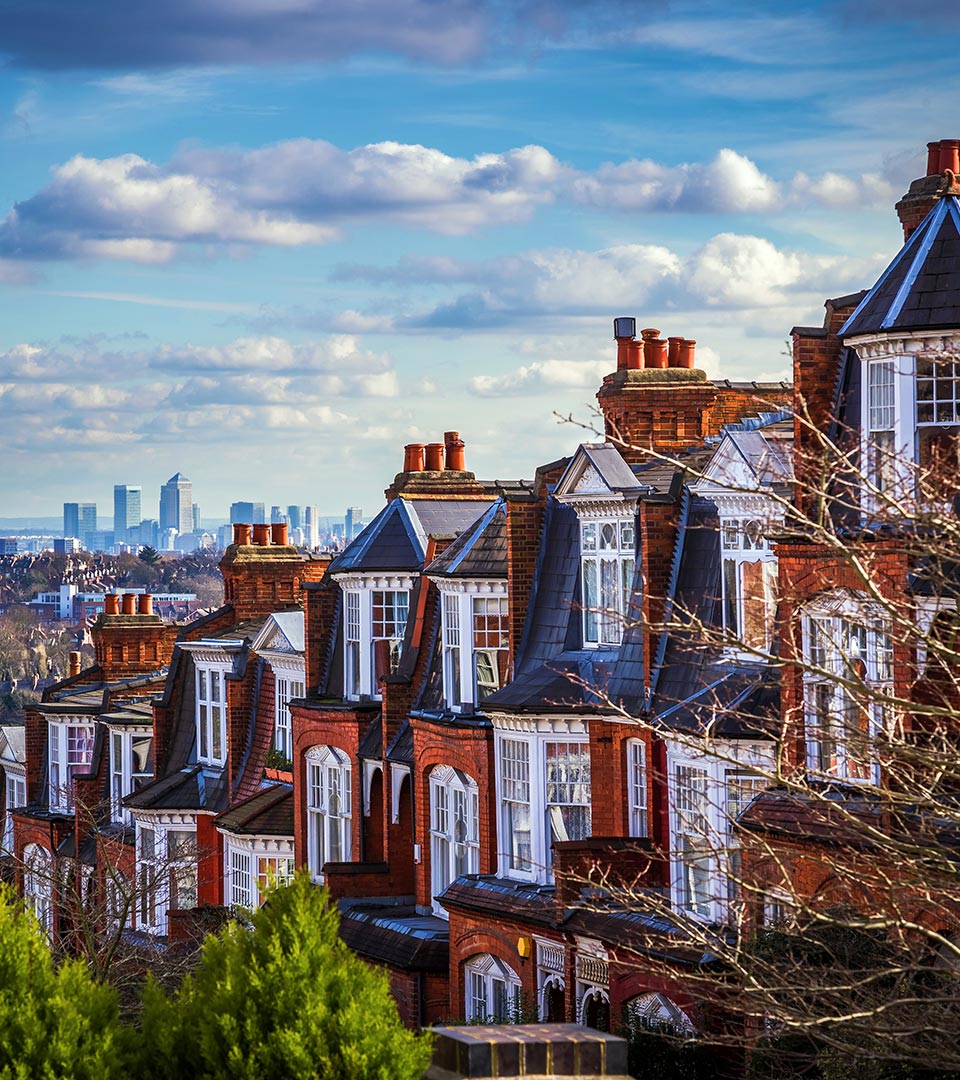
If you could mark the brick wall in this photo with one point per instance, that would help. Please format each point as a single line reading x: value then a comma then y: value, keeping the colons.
x: 129, y: 645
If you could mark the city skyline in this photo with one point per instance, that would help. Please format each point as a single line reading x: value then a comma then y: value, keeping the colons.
x: 336, y: 243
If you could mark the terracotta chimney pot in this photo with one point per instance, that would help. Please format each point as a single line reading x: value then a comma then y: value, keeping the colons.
x: 129, y: 603
x: 634, y: 355
x: 950, y: 155
x: 655, y: 353
x: 649, y: 334
x: 433, y: 457
x: 111, y: 604
x: 933, y: 158
x: 75, y: 661
x: 673, y: 356
x: 453, y: 451
x: 242, y: 534
x: 687, y: 348
x: 145, y: 604
x: 413, y: 457
x: 261, y: 535
x: 278, y: 533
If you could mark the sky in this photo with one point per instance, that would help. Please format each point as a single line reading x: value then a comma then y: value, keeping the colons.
x: 268, y: 242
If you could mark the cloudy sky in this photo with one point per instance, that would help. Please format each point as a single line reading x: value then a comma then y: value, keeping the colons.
x: 267, y: 242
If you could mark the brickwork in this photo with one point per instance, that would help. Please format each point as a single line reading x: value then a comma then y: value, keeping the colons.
x: 259, y: 579
x: 129, y: 645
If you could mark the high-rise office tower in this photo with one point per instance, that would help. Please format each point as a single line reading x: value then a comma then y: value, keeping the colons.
x: 295, y: 516
x: 311, y: 530
x: 176, y: 504
x: 127, y: 508
x: 80, y: 520
x: 277, y: 516
x: 196, y: 518
x: 246, y: 513
x: 353, y: 522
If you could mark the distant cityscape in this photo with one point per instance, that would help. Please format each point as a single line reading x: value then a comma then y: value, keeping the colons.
x: 178, y: 526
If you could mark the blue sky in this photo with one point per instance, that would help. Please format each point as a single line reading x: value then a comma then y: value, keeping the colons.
x: 268, y: 242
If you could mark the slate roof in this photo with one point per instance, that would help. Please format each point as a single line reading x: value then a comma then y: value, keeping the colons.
x: 396, y: 539
x: 192, y: 788
x: 371, y: 744
x: 267, y: 813
x: 501, y: 898
x: 825, y: 814
x: 480, y: 551
x: 134, y: 714
x: 394, y: 933
x: 290, y: 624
x: 401, y: 749
x: 920, y: 289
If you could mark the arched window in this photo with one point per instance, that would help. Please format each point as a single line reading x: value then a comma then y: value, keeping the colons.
x: 551, y: 984
x: 593, y: 988
x: 595, y: 1009
x: 38, y: 884
x: 454, y: 828
x: 492, y: 990
x: 329, y: 808
x: 656, y: 1012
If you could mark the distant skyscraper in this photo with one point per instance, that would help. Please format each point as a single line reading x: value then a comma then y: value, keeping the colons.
x: 277, y: 516
x: 295, y: 517
x: 126, y: 510
x: 246, y: 513
x: 311, y: 531
x: 353, y: 522
x: 149, y: 528
x: 176, y: 504
x: 80, y: 520
x: 196, y: 518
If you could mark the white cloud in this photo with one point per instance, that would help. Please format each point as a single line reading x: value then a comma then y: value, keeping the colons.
x: 541, y: 375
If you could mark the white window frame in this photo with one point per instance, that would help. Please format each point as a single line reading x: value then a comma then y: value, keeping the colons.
x: 636, y: 750
x: 454, y: 829
x: 250, y: 863
x: 592, y: 970
x: 211, y: 711
x: 606, y: 540
x: 743, y: 541
x: 845, y: 637
x: 474, y: 629
x: 360, y: 629
x: 488, y: 984
x: 15, y: 792
x: 287, y: 684
x: 70, y: 753
x: 523, y: 777
x: 551, y: 973
x: 167, y: 869
x: 123, y: 776
x: 39, y: 883
x: 329, y: 772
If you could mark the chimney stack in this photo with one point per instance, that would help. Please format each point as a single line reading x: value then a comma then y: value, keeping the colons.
x: 129, y: 603
x: 413, y: 457
x: 943, y: 156
x: 75, y: 661
x: 278, y: 533
x: 453, y: 451
x: 433, y: 453
x: 261, y: 535
x: 111, y: 604
x: 145, y: 604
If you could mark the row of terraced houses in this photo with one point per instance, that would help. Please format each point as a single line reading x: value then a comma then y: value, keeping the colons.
x: 437, y: 721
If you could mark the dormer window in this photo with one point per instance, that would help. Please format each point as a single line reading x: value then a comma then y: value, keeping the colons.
x: 70, y: 752
x: 375, y: 620
x: 475, y: 640
x: 607, y: 559
x: 748, y: 583
x: 211, y: 715
x: 131, y: 767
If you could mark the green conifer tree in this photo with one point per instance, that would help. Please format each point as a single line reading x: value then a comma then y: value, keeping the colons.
x: 284, y: 998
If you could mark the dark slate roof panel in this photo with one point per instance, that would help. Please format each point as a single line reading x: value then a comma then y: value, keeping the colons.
x: 919, y: 289
x: 613, y: 470
x: 737, y: 701
x: 501, y: 898
x: 389, y: 542
x: 371, y: 744
x: 267, y: 813
x: 447, y: 517
x: 401, y: 749
x: 194, y: 788
x: 480, y: 551
x: 396, y: 935
x: 564, y: 682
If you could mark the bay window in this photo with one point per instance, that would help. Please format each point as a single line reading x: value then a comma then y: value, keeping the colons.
x: 454, y: 829
x: 748, y: 583
x: 211, y: 714
x: 492, y: 990
x: 329, y: 808
x: 131, y: 767
x: 38, y: 884
x: 637, y: 786
x: 166, y: 870
x: 252, y: 865
x: 881, y: 416
x: 475, y: 631
x: 695, y: 839
x: 607, y: 558
x: 16, y: 796
x: 287, y: 685
x: 543, y: 783
x: 70, y: 752
x: 374, y: 623
x: 844, y: 646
